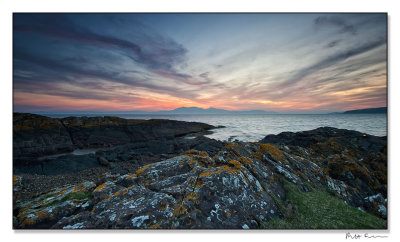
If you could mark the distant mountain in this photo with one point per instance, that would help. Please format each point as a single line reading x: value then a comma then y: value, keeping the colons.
x: 181, y: 110
x: 367, y: 110
x: 193, y: 110
x: 254, y: 112
x: 196, y: 110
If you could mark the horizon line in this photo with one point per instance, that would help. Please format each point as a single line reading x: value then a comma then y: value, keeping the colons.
x: 170, y: 110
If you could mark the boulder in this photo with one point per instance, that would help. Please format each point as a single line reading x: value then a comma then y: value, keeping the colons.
x: 103, y: 161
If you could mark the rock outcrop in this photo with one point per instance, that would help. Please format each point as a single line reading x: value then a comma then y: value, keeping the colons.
x: 356, y: 159
x: 239, y: 187
x: 112, y: 131
x: 36, y: 135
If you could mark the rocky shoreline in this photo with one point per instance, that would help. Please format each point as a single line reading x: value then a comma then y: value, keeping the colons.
x: 150, y: 174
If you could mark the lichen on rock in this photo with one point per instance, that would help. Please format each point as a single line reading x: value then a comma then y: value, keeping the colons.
x: 239, y: 187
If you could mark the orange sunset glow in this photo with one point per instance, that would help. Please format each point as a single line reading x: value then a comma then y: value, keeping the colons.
x: 150, y: 62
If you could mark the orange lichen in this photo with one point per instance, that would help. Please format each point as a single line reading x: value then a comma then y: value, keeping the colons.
x: 235, y: 164
x: 199, y: 183
x: 117, y: 193
x: 179, y: 210
x: 197, y: 158
x: 275, y: 152
x: 99, y: 188
x: 193, y: 196
x: 246, y: 161
x: 163, y: 205
x: 16, y: 180
x: 195, y: 152
x: 192, y: 163
x: 43, y: 215
x: 272, y: 179
x: 94, y: 208
x: 142, y: 169
x: 257, y: 156
x: 299, y: 173
x: 220, y: 169
x: 209, y: 173
x: 156, y: 226
x: 28, y: 221
x: 232, y: 145
x: 191, y: 152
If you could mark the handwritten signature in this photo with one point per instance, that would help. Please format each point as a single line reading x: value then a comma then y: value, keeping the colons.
x: 366, y: 235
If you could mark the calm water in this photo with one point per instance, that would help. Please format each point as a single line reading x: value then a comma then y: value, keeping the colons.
x: 255, y: 127
x: 75, y: 152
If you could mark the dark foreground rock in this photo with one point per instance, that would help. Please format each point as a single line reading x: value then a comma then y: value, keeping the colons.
x: 115, y: 158
x: 357, y: 159
x: 36, y: 135
x: 120, y: 140
x: 239, y: 187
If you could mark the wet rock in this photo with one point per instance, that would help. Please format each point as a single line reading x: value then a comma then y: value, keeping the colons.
x: 103, y: 161
x: 53, y: 166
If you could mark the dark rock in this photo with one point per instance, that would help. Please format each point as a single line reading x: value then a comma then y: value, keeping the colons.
x: 36, y: 135
x: 53, y: 166
x: 105, y: 131
x: 122, y: 139
x: 238, y: 187
x: 349, y: 138
x: 103, y: 161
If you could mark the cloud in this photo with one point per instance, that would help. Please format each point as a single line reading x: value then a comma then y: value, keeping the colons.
x: 87, y: 60
x: 48, y: 76
x: 333, y: 43
x: 112, y: 60
x: 331, y: 60
x: 335, y: 21
x: 156, y: 53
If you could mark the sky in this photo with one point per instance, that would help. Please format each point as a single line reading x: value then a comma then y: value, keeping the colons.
x: 150, y: 62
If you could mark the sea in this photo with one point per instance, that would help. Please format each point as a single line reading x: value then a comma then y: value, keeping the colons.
x: 254, y: 127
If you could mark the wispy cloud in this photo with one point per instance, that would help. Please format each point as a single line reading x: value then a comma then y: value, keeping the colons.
x: 335, y: 21
x: 130, y: 61
x: 159, y: 55
x: 332, y: 60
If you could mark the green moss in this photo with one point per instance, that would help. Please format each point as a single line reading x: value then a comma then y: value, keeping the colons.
x: 319, y: 210
x: 73, y: 196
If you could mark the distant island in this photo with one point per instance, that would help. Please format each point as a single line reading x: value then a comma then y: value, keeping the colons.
x: 196, y: 110
x: 367, y: 110
x: 181, y: 110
